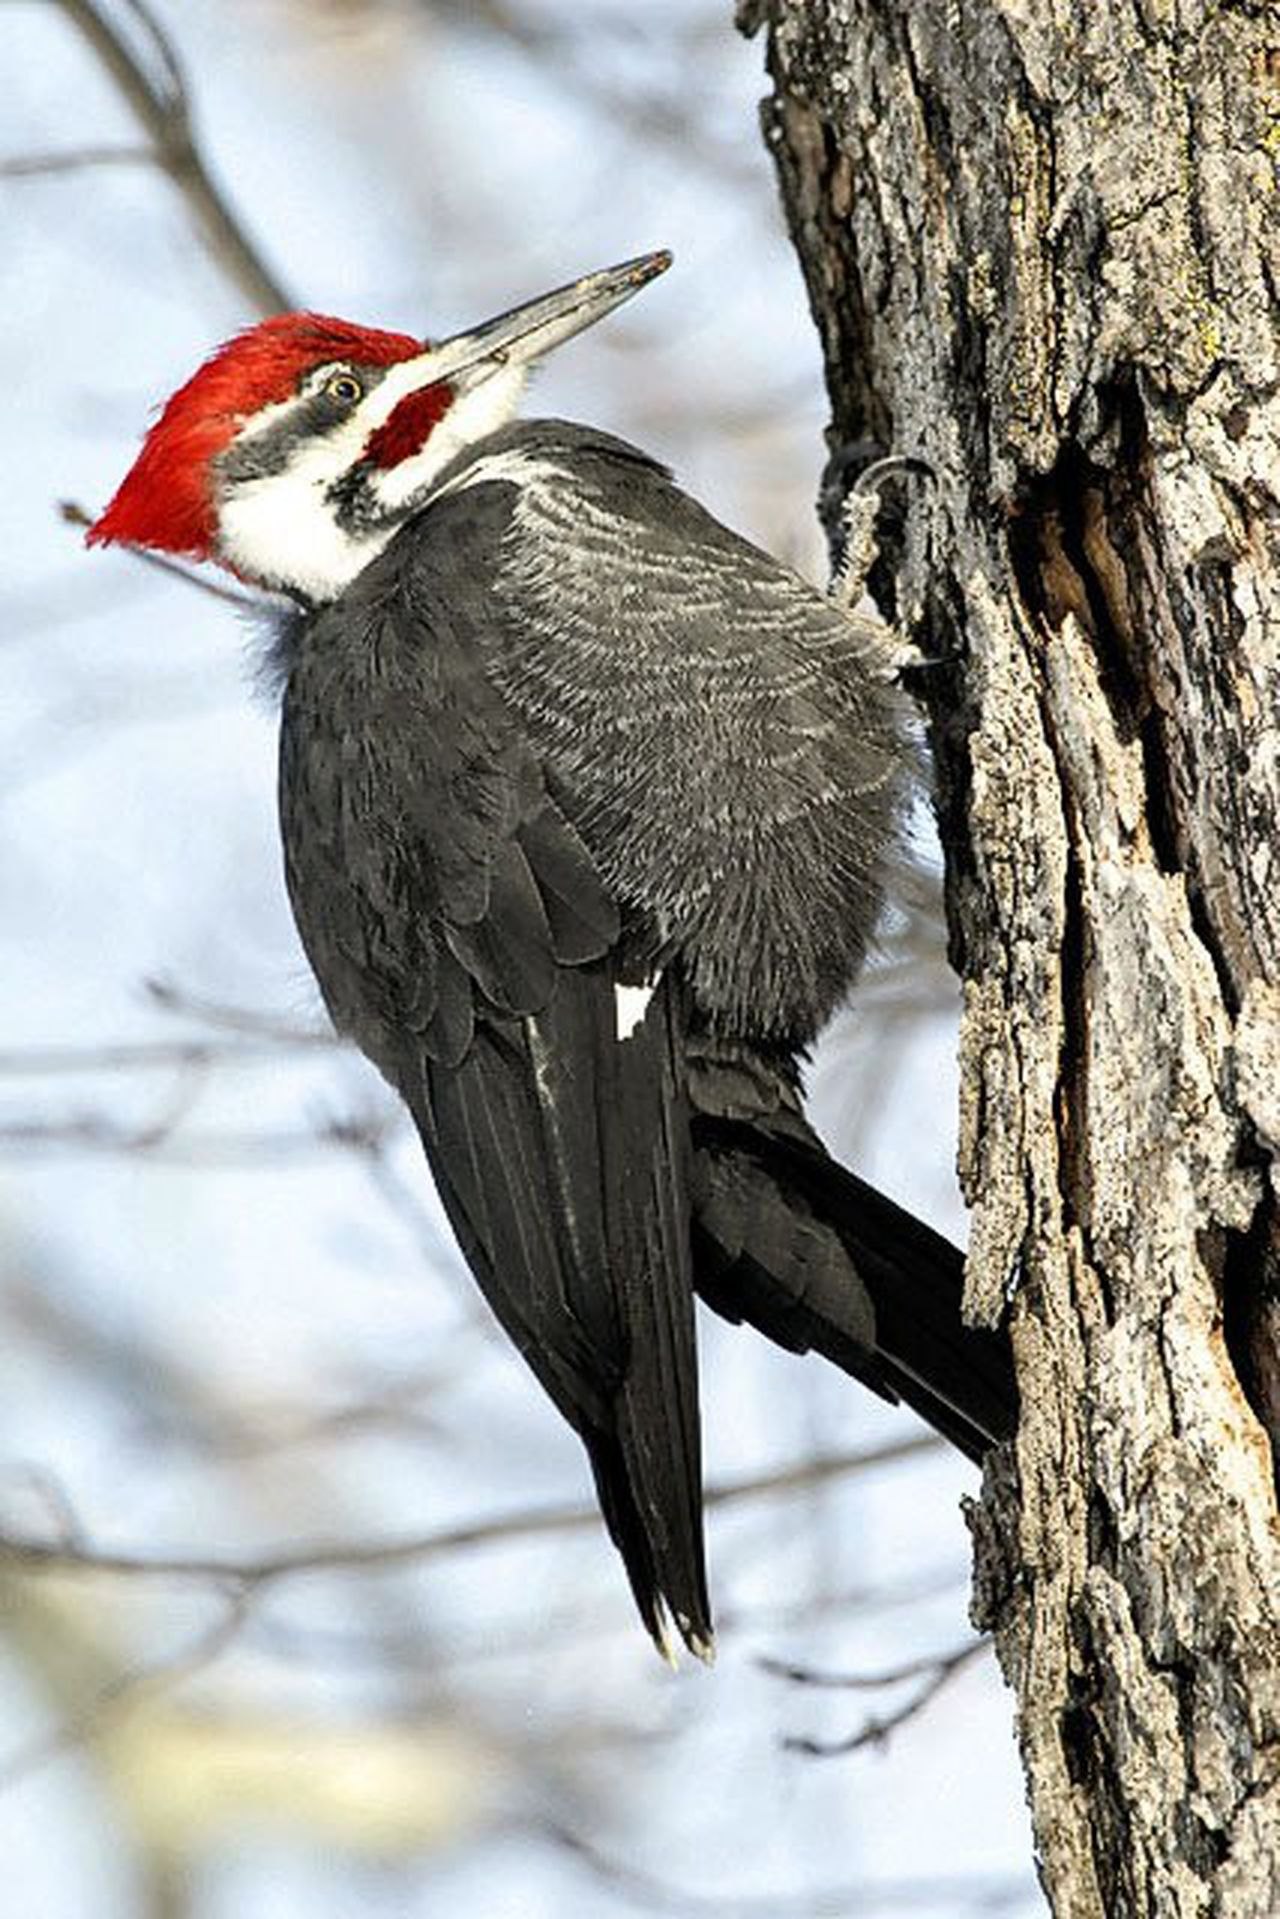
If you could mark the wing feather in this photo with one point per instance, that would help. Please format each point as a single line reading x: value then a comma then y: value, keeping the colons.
x: 463, y: 934
x: 562, y: 1157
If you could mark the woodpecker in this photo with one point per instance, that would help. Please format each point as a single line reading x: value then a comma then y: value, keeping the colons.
x: 588, y: 810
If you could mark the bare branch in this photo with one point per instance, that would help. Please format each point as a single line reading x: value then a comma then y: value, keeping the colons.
x: 875, y: 1731
x: 355, y: 1556
x: 867, y: 1681
x: 160, y: 102
x: 241, y: 1034
x: 74, y: 160
x: 160, y: 1142
x: 141, y: 1056
x: 583, y: 1624
x: 127, y: 1688
x: 43, y: 1483
x: 172, y: 998
x: 76, y: 515
x: 956, y: 1895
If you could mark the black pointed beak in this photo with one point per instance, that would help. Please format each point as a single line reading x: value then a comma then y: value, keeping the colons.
x: 524, y: 334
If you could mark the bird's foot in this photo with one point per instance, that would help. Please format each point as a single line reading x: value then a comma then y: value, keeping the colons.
x: 855, y: 532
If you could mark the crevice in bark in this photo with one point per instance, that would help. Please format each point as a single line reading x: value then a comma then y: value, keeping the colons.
x: 1162, y: 825
x: 1104, y: 1537
x: 1202, y: 921
x: 949, y: 720
x: 1064, y: 549
x: 1072, y: 1098
x: 1200, y: 1845
x: 1251, y: 1318
x: 809, y: 159
x: 998, y: 1575
x: 1078, y: 1731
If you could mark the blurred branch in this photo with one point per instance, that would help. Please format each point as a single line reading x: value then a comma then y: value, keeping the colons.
x: 869, y: 1681
x: 159, y: 1141
x: 48, y: 1489
x: 172, y: 998
x: 128, y: 1056
x: 582, y: 1624
x: 863, y: 1898
x: 127, y: 1688
x: 239, y: 1033
x: 176, y: 1405
x: 840, y: 1602
x: 356, y: 1556
x: 74, y: 160
x: 244, y: 1036
x: 155, y: 90
x: 403, y: 1199
x: 674, y: 118
x: 76, y: 515
x: 938, y: 1672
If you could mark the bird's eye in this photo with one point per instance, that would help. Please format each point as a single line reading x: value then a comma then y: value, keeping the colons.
x: 344, y: 388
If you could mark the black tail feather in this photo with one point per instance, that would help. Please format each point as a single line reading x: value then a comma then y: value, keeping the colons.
x: 816, y: 1259
x: 562, y: 1159
x: 628, y: 1532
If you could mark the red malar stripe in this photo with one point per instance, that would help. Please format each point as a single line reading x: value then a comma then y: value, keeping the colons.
x: 407, y: 430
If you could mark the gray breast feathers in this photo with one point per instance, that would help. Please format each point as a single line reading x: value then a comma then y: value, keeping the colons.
x: 729, y: 743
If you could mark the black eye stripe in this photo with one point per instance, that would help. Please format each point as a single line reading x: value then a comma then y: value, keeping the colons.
x: 311, y: 416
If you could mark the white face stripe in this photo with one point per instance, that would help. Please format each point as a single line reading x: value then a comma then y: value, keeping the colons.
x: 401, y: 378
x: 478, y: 411
x: 281, y: 530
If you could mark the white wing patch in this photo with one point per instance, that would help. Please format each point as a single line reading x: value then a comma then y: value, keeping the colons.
x: 631, y: 1003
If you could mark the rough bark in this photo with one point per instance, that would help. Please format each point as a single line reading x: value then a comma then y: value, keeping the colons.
x: 1040, y: 240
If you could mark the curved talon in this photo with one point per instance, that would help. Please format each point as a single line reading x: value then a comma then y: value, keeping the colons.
x: 879, y: 470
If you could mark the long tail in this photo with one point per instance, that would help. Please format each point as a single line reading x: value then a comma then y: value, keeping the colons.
x: 817, y: 1260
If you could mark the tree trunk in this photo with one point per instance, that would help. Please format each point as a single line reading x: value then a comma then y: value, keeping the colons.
x: 1040, y: 240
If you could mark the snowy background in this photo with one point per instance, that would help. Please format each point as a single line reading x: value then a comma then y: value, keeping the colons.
x: 235, y: 1332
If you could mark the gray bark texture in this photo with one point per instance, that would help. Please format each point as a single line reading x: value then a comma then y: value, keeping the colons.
x: 1042, y: 245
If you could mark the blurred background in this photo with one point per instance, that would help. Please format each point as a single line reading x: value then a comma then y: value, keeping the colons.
x: 305, y: 1609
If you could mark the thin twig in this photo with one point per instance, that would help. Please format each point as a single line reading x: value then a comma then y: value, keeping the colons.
x: 875, y: 1731
x: 44, y: 1483
x: 360, y: 1556
x: 74, y: 160
x: 159, y: 1141
x: 160, y: 103
x: 74, y: 514
x: 143, y: 1056
x: 127, y: 1689
x: 226, y: 1017
x: 950, y: 1894
x: 929, y: 1664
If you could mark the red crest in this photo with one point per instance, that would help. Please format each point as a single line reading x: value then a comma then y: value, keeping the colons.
x: 165, y: 499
